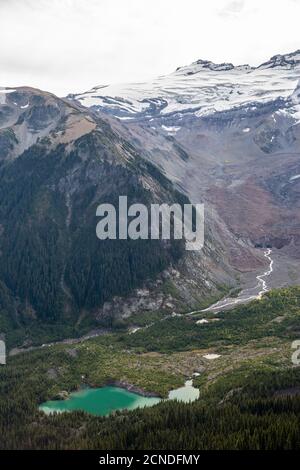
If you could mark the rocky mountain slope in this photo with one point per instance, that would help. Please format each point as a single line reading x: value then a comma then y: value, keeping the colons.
x: 223, y: 135
x: 227, y: 135
x: 58, y: 162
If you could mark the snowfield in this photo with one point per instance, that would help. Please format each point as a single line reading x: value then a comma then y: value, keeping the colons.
x: 202, y: 88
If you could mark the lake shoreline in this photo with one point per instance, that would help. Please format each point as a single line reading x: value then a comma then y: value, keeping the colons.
x: 116, y: 395
x: 100, y: 401
x: 66, y: 394
x: 131, y: 388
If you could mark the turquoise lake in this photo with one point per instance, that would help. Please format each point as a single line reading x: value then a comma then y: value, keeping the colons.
x: 103, y: 401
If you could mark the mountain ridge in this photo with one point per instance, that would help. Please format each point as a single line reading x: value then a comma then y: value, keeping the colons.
x: 58, y: 162
x: 201, y: 88
x: 238, y: 131
x: 58, y: 158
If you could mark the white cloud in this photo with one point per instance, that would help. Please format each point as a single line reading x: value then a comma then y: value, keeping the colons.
x: 232, y: 8
x: 72, y: 45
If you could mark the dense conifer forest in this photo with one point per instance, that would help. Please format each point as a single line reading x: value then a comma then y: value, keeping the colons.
x: 249, y: 397
x: 53, y: 267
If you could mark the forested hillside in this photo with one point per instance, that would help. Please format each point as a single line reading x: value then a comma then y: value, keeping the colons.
x: 249, y: 395
x: 54, y: 270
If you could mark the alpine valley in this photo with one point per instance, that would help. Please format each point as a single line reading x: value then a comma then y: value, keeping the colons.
x: 147, y: 315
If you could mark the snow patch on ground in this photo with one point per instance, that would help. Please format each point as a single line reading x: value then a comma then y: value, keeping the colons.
x: 170, y: 129
x: 134, y: 330
x: 211, y: 356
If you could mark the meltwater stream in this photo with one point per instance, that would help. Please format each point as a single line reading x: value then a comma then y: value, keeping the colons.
x: 247, y: 294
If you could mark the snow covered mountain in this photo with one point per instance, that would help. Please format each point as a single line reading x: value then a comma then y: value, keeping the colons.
x: 227, y: 135
x: 202, y: 89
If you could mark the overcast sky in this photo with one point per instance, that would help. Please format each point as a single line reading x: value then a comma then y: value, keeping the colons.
x: 66, y: 46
